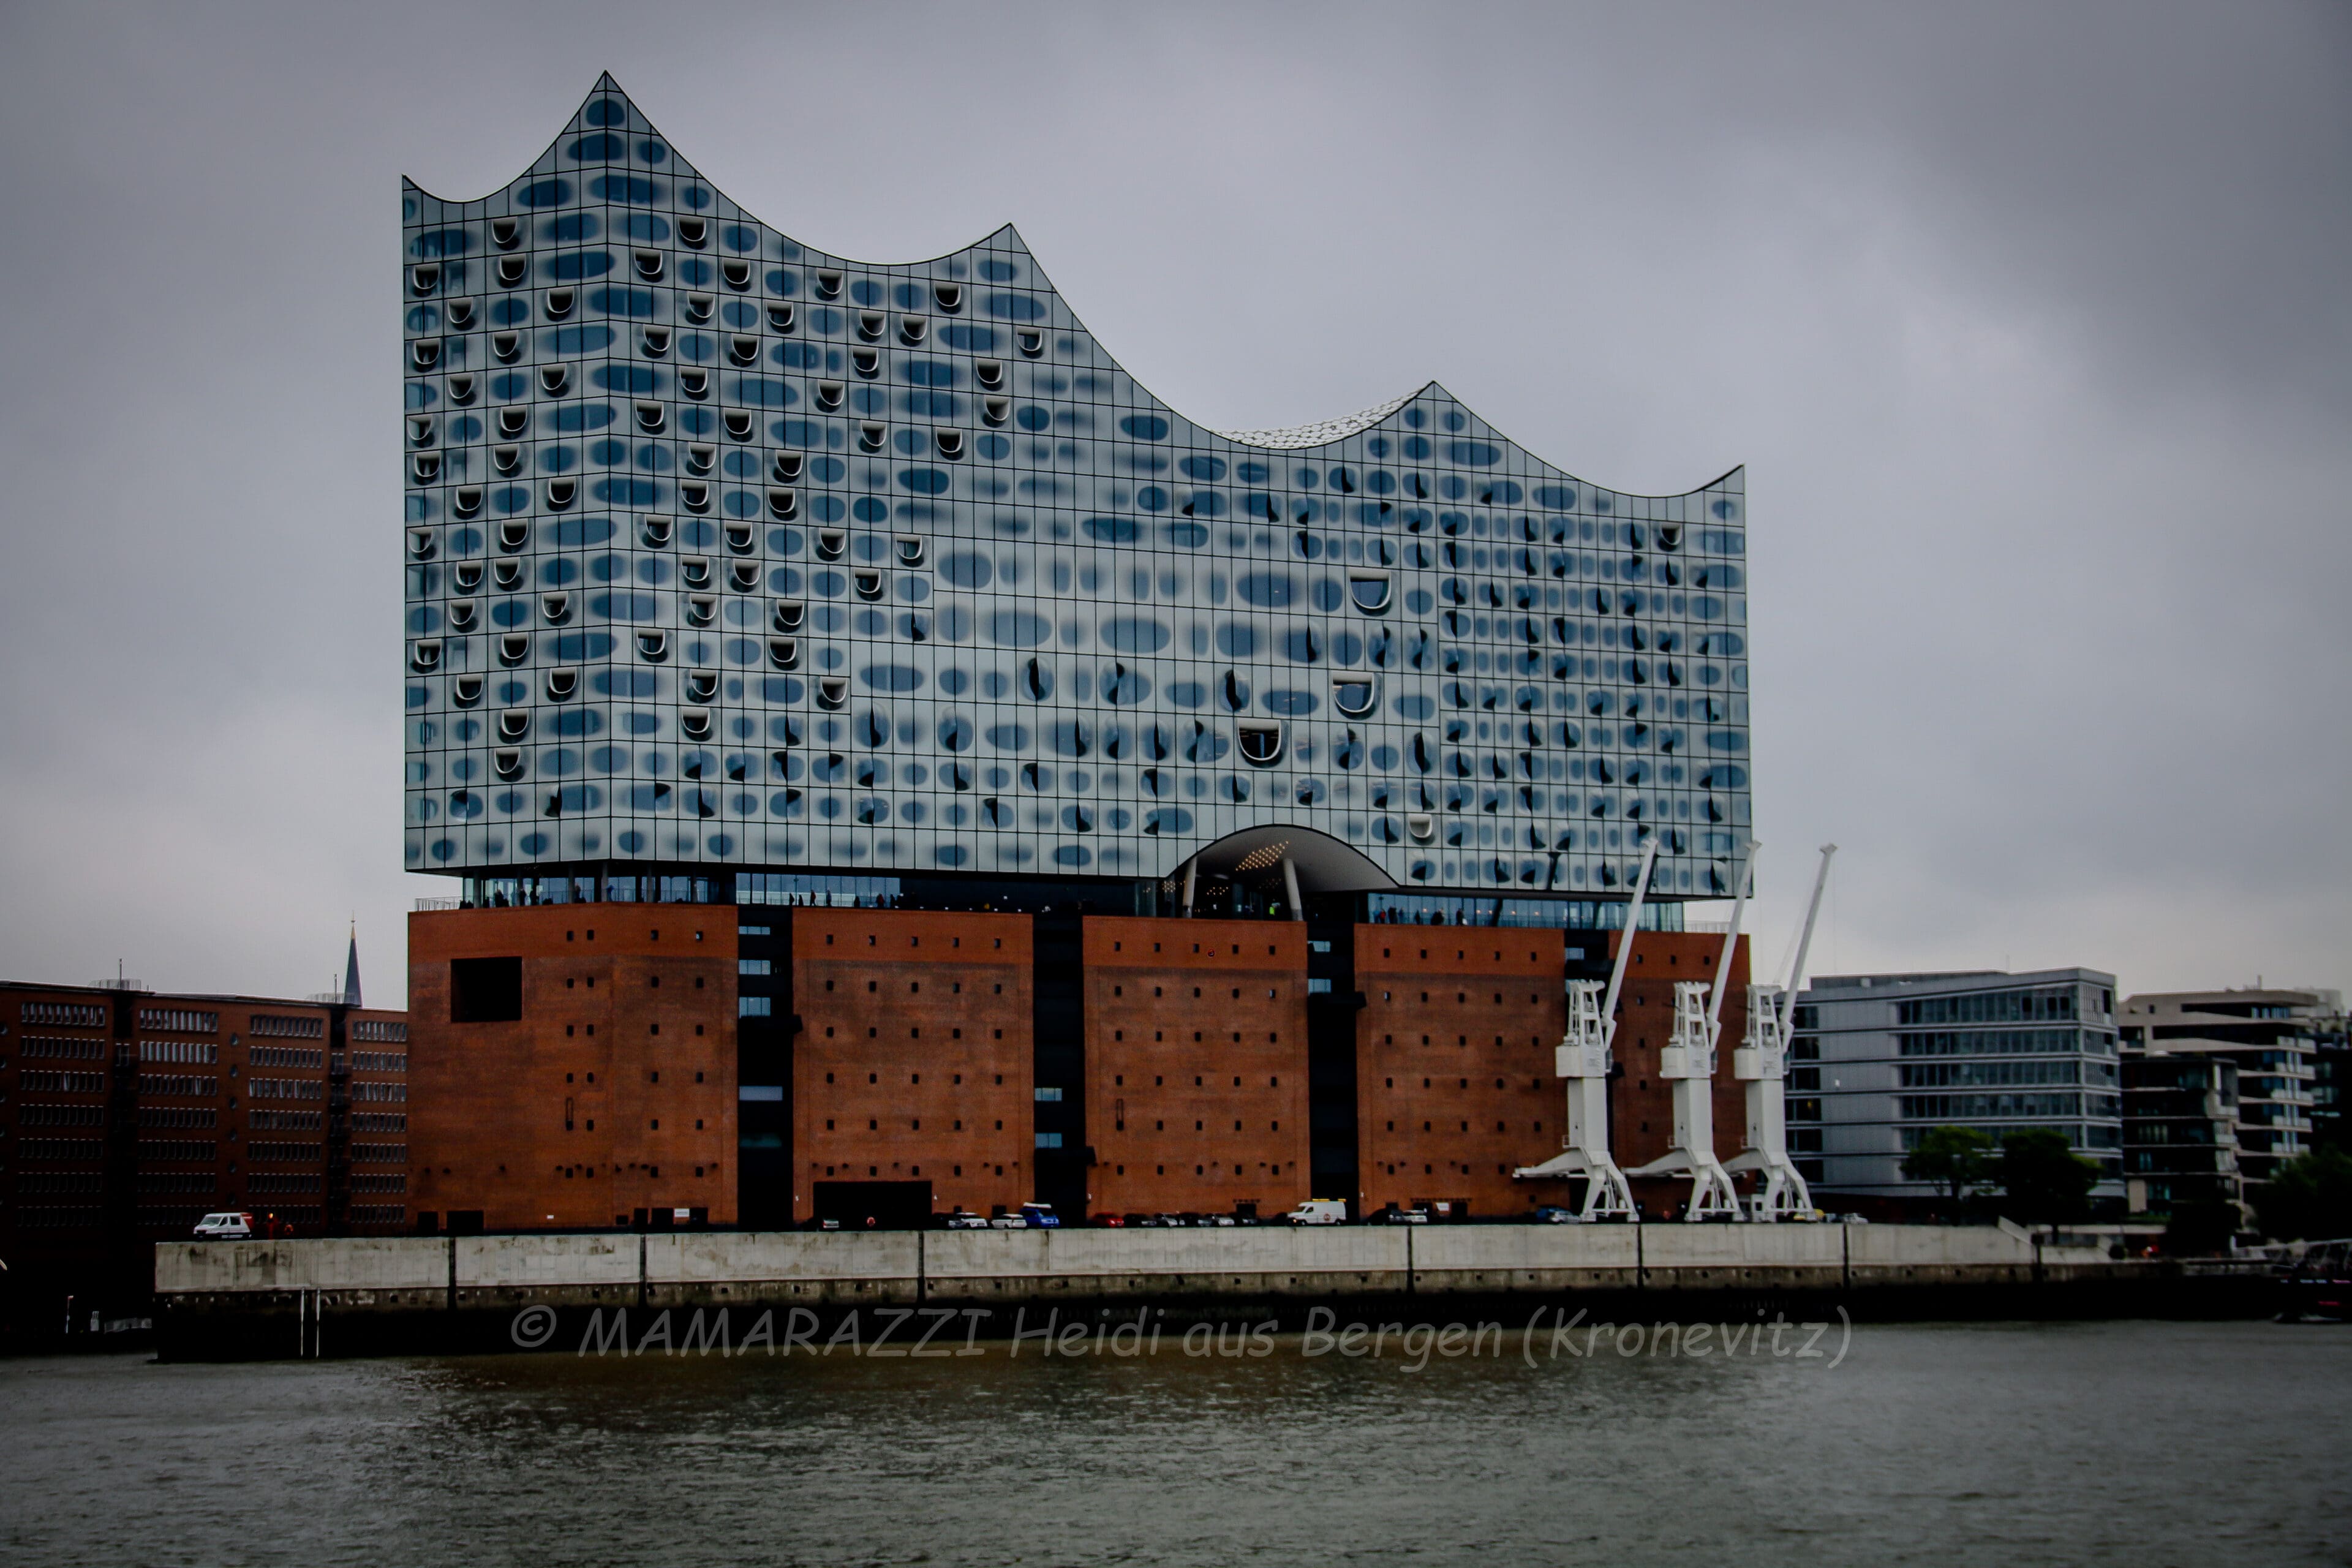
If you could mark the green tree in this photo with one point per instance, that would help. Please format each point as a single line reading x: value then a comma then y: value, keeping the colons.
x: 2043, y: 1181
x: 2308, y: 1198
x: 1954, y: 1158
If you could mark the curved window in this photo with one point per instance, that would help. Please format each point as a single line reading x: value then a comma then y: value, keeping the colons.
x: 788, y: 614
x: 784, y: 653
x: 561, y: 684
x: 1354, y: 696
x: 466, y: 690
x: 701, y: 609
x: 514, y: 648
x: 514, y: 724
x: 654, y: 531
x: 506, y: 573
x: 1261, y: 741
x: 780, y: 318
x: 832, y: 690
x: 556, y: 607
x: 653, y: 647
x: 1371, y: 591
x: 461, y: 390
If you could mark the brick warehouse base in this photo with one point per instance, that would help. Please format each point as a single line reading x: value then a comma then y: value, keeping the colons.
x: 584, y: 1065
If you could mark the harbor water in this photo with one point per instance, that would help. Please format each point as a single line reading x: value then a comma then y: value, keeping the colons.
x: 2134, y: 1442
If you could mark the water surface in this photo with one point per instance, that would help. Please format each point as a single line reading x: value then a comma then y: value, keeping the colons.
x: 2141, y: 1443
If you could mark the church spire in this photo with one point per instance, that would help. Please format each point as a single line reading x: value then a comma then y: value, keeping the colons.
x: 352, y: 970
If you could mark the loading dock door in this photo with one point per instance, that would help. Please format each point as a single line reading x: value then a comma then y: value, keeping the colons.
x: 891, y: 1205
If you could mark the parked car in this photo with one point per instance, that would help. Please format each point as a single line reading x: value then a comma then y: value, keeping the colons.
x: 1221, y: 1221
x: 1319, y: 1211
x: 229, y: 1225
x: 965, y: 1220
x: 1114, y: 1221
x: 1404, y: 1216
x: 1007, y: 1222
x: 1029, y: 1217
x: 1551, y: 1213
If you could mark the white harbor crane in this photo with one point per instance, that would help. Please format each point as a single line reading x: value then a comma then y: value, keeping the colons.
x: 1761, y: 1063
x: 1582, y: 1058
x: 1687, y: 1063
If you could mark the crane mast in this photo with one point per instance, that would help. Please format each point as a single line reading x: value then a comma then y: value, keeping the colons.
x: 1582, y: 1059
x: 1761, y: 1065
x: 1687, y: 1063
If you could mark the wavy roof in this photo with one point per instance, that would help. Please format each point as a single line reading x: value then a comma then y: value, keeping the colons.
x: 608, y: 112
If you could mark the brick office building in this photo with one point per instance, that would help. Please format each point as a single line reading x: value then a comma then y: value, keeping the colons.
x: 126, y: 1114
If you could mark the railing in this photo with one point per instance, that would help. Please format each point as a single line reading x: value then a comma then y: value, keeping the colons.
x: 116, y: 982
x: 427, y: 905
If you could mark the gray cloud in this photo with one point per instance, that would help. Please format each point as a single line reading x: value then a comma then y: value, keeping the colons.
x: 2029, y: 323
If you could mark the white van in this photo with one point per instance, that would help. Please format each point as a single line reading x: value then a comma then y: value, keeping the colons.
x: 1319, y: 1211
x: 230, y: 1224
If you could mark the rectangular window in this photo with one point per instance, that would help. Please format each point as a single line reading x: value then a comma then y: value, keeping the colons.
x: 1049, y: 1140
x: 485, y: 989
x: 1048, y: 1096
x: 755, y: 966
x: 755, y: 1006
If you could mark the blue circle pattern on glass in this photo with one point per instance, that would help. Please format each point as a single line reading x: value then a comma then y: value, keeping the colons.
x: 1087, y: 615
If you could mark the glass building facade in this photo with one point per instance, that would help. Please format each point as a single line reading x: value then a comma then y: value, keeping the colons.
x: 728, y: 556
x: 1879, y: 1060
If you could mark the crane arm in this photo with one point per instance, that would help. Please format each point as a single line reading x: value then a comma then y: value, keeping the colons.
x: 1742, y: 879
x: 1805, y: 945
x: 1625, y: 947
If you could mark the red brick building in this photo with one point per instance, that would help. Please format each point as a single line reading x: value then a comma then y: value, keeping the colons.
x: 126, y: 1115
x: 587, y: 1065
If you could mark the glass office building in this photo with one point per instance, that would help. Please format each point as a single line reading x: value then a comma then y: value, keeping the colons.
x: 1879, y: 1060
x: 727, y: 557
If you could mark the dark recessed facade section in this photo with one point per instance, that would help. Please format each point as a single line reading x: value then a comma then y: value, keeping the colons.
x: 485, y: 989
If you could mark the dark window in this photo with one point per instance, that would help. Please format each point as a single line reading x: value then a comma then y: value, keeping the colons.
x: 485, y: 989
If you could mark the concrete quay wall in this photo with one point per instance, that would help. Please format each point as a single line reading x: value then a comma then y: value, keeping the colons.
x: 841, y: 1269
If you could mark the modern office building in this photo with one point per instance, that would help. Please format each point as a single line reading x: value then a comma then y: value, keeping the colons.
x: 2180, y: 1131
x: 2273, y: 1038
x: 743, y: 574
x: 1878, y: 1059
x: 126, y: 1114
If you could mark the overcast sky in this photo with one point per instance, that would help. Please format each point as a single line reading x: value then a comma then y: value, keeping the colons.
x: 2032, y: 324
